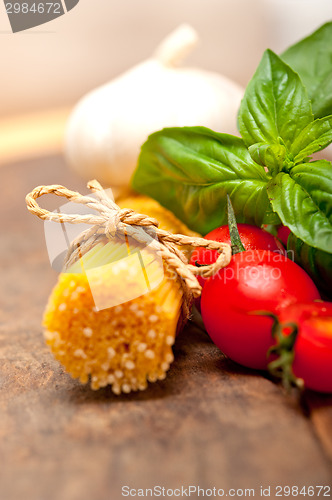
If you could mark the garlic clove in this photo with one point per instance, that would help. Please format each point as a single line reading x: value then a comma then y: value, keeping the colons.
x: 176, y: 46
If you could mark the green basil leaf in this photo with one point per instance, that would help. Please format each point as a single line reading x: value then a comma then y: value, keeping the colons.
x: 190, y: 171
x: 311, y: 58
x: 314, y: 137
x: 303, y: 200
x: 322, y: 98
x: 268, y: 155
x: 275, y: 104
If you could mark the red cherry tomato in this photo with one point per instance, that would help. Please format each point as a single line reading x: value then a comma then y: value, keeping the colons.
x: 255, y: 280
x: 313, y: 345
x: 252, y: 238
x: 283, y: 233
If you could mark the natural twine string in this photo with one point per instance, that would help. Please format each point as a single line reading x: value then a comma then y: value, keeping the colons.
x: 110, y: 220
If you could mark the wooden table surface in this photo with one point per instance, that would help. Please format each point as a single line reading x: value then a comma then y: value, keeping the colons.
x: 211, y: 423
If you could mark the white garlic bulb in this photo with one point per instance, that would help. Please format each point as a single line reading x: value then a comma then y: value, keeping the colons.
x: 108, y: 126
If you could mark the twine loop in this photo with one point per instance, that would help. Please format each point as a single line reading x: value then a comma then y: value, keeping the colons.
x: 109, y: 220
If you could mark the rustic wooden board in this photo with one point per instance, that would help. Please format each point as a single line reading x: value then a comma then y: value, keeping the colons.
x: 210, y: 423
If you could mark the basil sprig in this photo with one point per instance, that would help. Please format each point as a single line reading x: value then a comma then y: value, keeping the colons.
x: 268, y: 174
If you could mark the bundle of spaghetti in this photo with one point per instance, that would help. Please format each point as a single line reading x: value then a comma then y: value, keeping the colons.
x: 113, y: 316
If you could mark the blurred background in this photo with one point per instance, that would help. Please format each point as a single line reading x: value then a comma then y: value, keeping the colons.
x: 47, y: 69
x: 53, y: 65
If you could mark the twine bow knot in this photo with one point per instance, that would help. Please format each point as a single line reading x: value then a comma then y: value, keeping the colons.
x: 127, y: 216
x: 109, y: 220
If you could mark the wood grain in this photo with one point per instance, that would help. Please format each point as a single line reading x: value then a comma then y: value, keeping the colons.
x: 210, y: 423
x: 320, y: 407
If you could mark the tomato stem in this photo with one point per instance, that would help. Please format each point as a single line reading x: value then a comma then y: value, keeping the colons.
x: 284, y: 349
x: 236, y: 242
